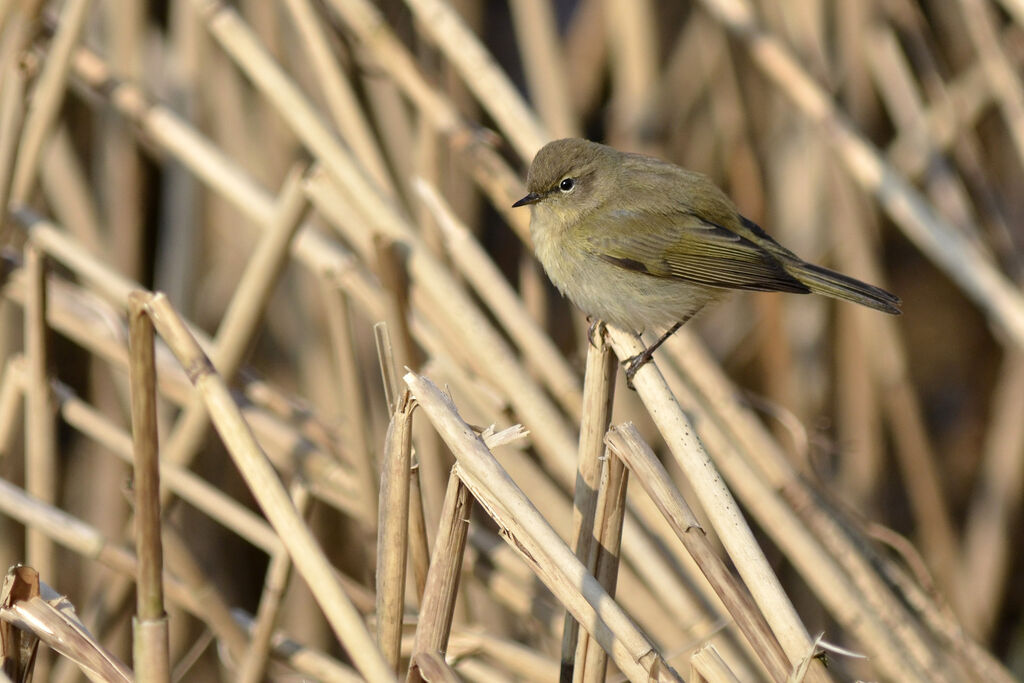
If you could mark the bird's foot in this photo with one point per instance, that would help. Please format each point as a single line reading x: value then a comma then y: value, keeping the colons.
x: 634, y: 363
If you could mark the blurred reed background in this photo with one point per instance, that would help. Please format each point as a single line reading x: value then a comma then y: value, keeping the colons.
x: 291, y: 174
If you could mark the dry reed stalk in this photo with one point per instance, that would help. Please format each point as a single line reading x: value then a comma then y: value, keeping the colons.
x: 659, y: 578
x: 719, y: 505
x: 250, y: 55
x: 437, y: 608
x: 627, y: 445
x: 150, y: 644
x: 542, y: 548
x: 946, y: 131
x: 252, y: 667
x: 586, y: 52
x: 269, y: 492
x: 859, y: 426
x: 598, y: 395
x: 393, y: 529
x: 364, y: 20
x: 41, y: 463
x: 894, y: 77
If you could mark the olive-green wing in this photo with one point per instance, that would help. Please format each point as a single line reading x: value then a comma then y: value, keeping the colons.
x: 683, y: 246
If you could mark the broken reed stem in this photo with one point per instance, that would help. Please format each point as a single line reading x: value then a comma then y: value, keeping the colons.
x: 40, y: 435
x: 628, y: 446
x: 718, y: 503
x: 438, y: 606
x: 265, y: 485
x: 252, y: 667
x: 528, y: 532
x: 598, y: 394
x: 151, y: 644
x: 393, y: 529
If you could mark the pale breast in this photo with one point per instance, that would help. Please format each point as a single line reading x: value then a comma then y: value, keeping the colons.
x: 625, y: 298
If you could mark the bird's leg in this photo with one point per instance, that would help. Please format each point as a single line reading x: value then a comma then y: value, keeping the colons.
x: 636, y: 362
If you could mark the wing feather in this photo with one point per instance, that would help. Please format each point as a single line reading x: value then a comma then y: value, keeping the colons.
x: 683, y: 246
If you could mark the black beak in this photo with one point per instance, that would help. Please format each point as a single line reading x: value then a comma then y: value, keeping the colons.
x: 531, y: 198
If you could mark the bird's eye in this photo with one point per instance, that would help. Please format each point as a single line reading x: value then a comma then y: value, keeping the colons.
x: 567, y: 184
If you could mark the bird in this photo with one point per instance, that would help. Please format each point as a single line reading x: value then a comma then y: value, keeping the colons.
x: 638, y: 242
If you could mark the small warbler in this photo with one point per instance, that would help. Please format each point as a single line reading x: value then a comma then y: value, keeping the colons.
x: 638, y: 242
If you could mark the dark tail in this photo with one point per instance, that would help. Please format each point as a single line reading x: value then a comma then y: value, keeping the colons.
x: 838, y: 286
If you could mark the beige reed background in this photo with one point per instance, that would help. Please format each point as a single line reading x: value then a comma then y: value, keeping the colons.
x: 283, y: 385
